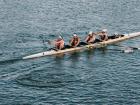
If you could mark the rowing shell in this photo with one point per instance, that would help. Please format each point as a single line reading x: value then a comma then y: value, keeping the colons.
x: 95, y: 45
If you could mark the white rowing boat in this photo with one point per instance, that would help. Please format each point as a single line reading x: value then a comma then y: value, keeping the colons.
x: 95, y: 45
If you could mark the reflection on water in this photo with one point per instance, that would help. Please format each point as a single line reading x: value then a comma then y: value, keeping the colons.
x: 74, y: 58
x: 90, y: 54
x: 103, y: 50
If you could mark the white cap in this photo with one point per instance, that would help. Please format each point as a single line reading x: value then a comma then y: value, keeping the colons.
x: 60, y: 37
x: 104, y: 30
x: 74, y: 35
x: 90, y: 32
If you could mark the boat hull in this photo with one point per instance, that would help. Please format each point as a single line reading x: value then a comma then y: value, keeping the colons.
x: 95, y: 45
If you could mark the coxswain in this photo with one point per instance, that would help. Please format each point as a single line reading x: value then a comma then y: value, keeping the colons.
x: 90, y: 38
x: 59, y: 43
x: 103, y: 35
x: 74, y: 42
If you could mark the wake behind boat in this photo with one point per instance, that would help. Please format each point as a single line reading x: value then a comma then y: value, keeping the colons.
x: 83, y: 47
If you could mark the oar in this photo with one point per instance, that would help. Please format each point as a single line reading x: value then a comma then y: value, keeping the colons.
x: 43, y: 41
x: 134, y: 48
x: 53, y: 42
x: 123, y: 51
x: 116, y: 50
x: 50, y: 42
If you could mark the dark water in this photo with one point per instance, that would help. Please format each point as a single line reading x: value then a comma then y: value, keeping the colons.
x: 100, y: 77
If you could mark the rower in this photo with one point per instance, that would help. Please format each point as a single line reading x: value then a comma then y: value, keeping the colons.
x: 103, y: 35
x: 59, y: 43
x: 90, y: 38
x: 74, y: 42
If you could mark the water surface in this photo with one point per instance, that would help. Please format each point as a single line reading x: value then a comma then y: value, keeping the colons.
x: 100, y: 77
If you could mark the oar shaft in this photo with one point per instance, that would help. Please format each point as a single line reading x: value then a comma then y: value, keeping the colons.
x: 135, y: 48
x: 50, y: 42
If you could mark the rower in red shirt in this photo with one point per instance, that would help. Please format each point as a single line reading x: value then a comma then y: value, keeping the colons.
x: 59, y: 43
x: 74, y: 42
x: 90, y: 38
